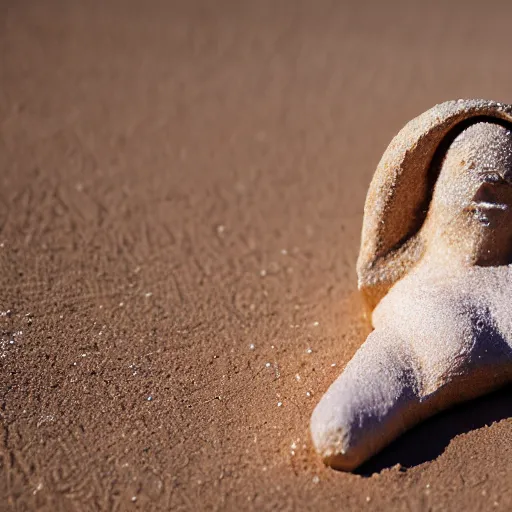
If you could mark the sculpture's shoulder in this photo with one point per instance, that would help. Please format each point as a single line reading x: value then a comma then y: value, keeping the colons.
x: 447, y: 323
x: 417, y: 304
x: 448, y: 304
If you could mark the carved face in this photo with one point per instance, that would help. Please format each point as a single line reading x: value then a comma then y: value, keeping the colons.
x: 475, y: 182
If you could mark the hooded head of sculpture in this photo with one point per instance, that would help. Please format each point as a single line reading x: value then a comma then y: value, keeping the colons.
x: 470, y: 216
x: 443, y: 189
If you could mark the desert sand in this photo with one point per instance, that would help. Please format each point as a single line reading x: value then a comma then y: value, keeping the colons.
x: 181, y: 204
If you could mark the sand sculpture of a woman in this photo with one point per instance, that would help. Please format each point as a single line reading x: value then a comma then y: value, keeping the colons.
x: 435, y: 268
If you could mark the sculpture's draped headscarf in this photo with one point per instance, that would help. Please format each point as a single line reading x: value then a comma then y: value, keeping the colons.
x: 399, y: 194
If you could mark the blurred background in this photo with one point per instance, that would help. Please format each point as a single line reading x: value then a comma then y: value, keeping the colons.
x: 182, y: 187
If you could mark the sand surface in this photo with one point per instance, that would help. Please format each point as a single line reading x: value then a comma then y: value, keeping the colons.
x: 180, y: 180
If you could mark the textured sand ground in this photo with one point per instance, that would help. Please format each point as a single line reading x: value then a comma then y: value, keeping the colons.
x: 180, y: 181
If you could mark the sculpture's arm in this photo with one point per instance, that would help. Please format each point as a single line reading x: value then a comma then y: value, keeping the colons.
x: 394, y: 382
x: 374, y: 400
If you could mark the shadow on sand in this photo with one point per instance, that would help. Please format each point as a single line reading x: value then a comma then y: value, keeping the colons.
x: 428, y: 440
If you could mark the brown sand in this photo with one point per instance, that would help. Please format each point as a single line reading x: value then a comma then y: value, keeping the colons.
x: 156, y: 160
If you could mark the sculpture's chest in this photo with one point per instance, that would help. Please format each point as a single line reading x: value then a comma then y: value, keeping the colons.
x: 459, y: 306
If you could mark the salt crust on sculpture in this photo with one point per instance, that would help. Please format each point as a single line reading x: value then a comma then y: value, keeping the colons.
x: 434, y: 268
